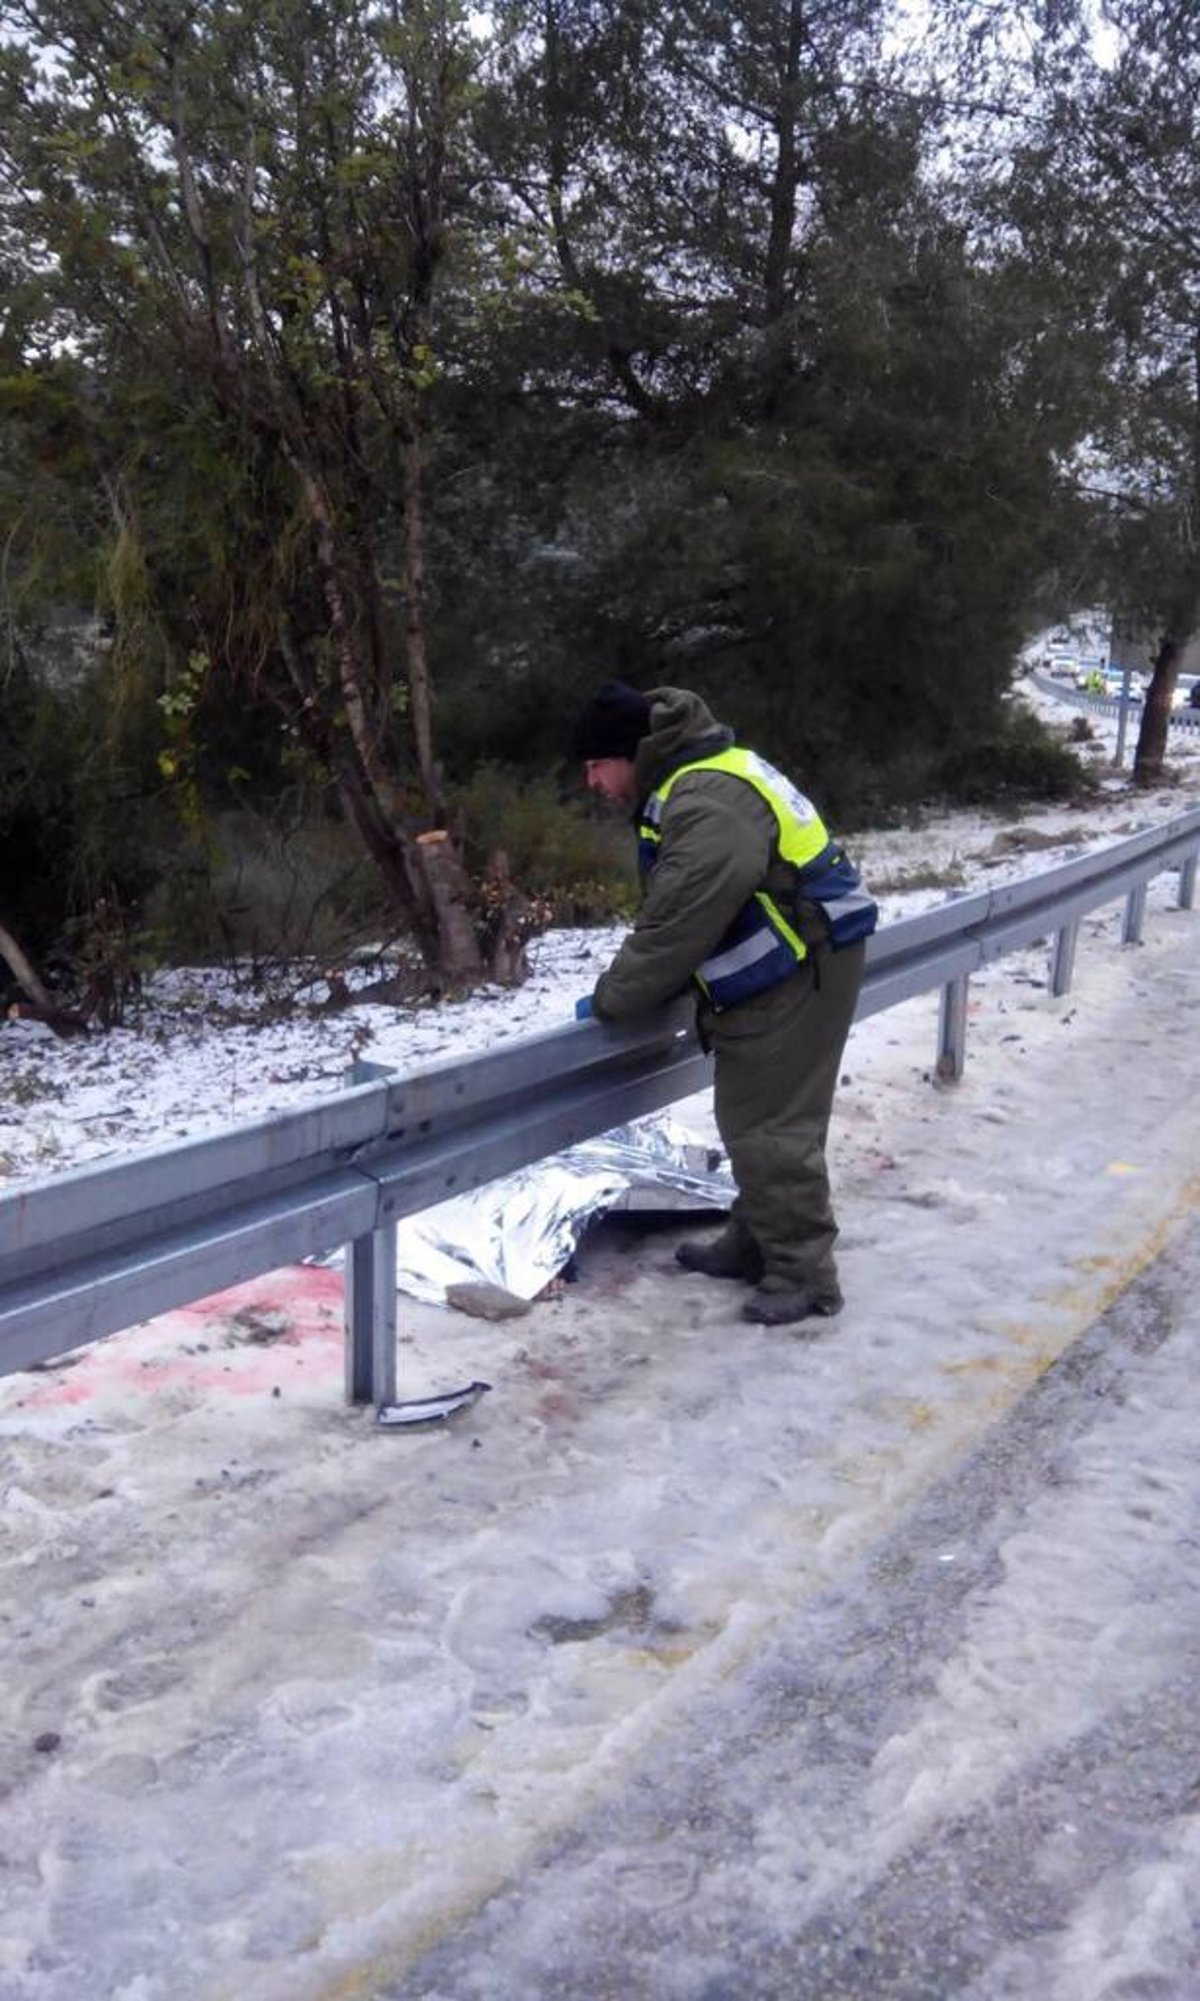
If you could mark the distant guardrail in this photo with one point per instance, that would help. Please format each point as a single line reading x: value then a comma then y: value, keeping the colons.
x: 1108, y: 705
x: 102, y: 1247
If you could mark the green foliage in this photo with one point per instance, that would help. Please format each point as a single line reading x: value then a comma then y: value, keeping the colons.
x: 1020, y: 762
x: 724, y: 356
x: 109, y: 958
x: 559, y: 850
x: 80, y: 810
x: 177, y: 760
x: 265, y: 887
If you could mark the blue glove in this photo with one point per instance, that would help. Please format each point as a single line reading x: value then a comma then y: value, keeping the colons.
x: 584, y: 1011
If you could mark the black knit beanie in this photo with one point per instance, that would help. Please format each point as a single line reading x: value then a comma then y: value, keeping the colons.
x: 613, y: 723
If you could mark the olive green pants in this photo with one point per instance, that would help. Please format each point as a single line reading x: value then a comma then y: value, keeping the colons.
x: 777, y: 1059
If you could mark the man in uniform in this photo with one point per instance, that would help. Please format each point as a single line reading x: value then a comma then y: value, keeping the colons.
x: 746, y: 895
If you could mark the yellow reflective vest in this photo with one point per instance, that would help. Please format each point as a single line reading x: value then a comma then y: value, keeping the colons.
x: 764, y: 945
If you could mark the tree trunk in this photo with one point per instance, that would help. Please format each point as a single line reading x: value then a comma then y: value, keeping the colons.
x: 416, y: 650
x: 459, y: 959
x: 41, y: 1006
x: 354, y: 684
x: 787, y: 171
x: 1150, y: 755
x: 23, y: 971
x: 386, y: 840
x: 433, y: 895
x: 394, y: 854
x: 510, y: 920
x: 618, y: 354
x: 1184, y: 613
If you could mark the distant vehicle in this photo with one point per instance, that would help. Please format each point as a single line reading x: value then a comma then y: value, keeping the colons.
x: 1194, y: 694
x: 1184, y: 694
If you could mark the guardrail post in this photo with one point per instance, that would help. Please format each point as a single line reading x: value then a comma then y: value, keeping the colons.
x: 1187, y: 883
x: 371, y: 1317
x: 370, y: 1295
x: 1135, y: 915
x: 1062, y: 962
x: 952, y: 1030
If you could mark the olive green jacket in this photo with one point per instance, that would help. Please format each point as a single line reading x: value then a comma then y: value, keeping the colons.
x: 717, y: 847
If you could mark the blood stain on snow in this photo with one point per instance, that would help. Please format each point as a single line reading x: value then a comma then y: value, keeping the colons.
x: 240, y: 1342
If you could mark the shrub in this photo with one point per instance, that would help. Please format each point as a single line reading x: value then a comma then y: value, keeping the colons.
x: 1019, y: 761
x: 266, y: 887
x: 560, y: 850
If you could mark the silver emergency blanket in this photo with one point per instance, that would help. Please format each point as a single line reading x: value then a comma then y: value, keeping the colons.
x: 520, y: 1232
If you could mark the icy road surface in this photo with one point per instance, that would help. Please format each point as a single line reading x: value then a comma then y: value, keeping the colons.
x: 968, y: 1768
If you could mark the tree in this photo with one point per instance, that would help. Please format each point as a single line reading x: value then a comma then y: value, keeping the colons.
x: 637, y: 339
x: 1108, y: 189
x: 818, y: 431
x: 241, y: 216
x: 1145, y: 132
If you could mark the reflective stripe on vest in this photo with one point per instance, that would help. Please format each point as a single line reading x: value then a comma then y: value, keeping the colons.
x: 760, y: 948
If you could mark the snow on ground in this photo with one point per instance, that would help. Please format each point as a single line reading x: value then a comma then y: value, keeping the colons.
x: 287, y: 1697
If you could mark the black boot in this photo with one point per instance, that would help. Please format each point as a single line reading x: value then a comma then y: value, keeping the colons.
x: 779, y: 1307
x: 734, y: 1254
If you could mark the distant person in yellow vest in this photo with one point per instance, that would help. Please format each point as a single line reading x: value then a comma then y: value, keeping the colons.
x: 748, y: 898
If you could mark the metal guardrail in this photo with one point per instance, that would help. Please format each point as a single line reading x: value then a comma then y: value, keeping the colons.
x: 100, y: 1248
x: 1109, y: 705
